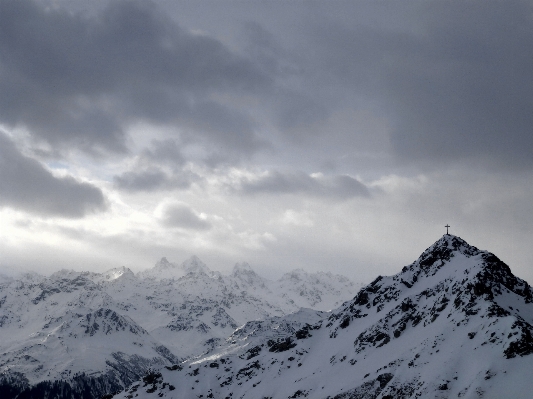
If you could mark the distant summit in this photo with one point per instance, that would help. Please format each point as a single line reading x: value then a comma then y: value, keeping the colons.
x: 244, y: 274
x: 195, y: 265
x: 119, y: 272
x: 167, y: 270
x: 242, y: 268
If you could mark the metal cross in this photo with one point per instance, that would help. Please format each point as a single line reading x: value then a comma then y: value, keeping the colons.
x: 447, y: 225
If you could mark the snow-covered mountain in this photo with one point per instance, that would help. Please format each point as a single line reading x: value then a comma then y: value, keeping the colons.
x: 82, y: 333
x: 167, y: 270
x: 456, y: 323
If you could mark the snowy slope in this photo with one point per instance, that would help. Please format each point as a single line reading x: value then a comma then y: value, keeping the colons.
x: 190, y: 308
x: 167, y: 270
x: 64, y: 326
x: 456, y: 323
x: 110, y: 328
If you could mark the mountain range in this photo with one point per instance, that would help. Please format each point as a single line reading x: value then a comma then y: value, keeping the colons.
x: 83, y: 334
x: 455, y: 323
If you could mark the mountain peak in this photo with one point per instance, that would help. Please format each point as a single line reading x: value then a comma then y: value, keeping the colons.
x: 445, y: 248
x: 295, y: 275
x: 453, y: 243
x: 195, y: 265
x: 244, y: 273
x: 118, y: 272
x: 168, y: 270
x: 164, y: 263
x: 450, y: 264
x: 240, y: 268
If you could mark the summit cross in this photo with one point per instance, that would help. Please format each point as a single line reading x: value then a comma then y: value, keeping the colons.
x: 447, y: 226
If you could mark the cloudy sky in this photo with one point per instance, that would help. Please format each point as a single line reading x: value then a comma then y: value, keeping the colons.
x: 326, y: 135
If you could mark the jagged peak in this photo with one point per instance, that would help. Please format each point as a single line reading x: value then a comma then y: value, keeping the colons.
x: 449, y: 262
x: 243, y: 267
x: 168, y: 270
x: 442, y: 251
x: 454, y: 243
x: 194, y: 264
x: 164, y: 264
x: 296, y: 274
x: 70, y: 274
x: 30, y: 276
x: 193, y: 260
x: 118, y: 272
x: 244, y: 273
x: 65, y: 273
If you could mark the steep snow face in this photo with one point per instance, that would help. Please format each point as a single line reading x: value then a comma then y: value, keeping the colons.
x: 195, y: 312
x: 454, y: 323
x: 163, y: 270
x: 119, y: 272
x: 112, y: 327
x: 65, y: 326
x: 320, y: 290
x: 244, y: 275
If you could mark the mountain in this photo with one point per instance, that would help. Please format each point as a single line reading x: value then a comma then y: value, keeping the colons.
x: 167, y: 270
x: 66, y: 328
x: 83, y: 333
x: 313, y: 290
x: 456, y: 323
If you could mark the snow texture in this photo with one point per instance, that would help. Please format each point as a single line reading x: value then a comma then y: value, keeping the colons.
x: 456, y: 323
x: 84, y: 333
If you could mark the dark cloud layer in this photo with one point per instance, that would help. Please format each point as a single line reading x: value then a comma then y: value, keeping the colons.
x: 451, y: 81
x: 26, y: 185
x: 154, y: 178
x: 77, y: 80
x: 455, y: 79
x: 340, y: 187
x: 146, y: 180
x: 159, y: 167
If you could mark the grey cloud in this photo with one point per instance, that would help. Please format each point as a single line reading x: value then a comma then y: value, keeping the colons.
x: 78, y: 80
x: 165, y: 151
x: 299, y: 110
x: 455, y: 78
x: 341, y: 186
x: 182, y: 216
x: 269, y: 53
x: 235, y: 129
x: 141, y: 181
x: 154, y: 178
x: 293, y: 105
x: 452, y: 79
x: 159, y: 167
x: 26, y: 185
